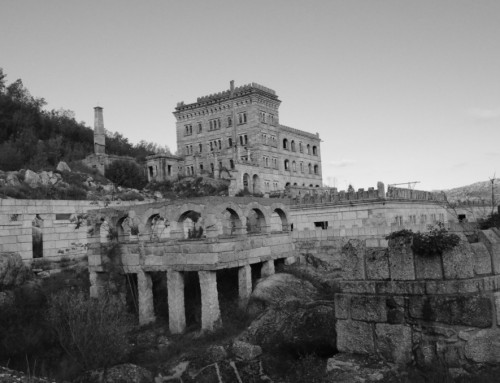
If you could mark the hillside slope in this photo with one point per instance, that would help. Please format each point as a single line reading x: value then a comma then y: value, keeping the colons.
x: 476, y: 191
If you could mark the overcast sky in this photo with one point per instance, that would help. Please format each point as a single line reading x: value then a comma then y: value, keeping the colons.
x: 398, y: 90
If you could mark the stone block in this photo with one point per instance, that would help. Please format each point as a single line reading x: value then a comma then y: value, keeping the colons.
x: 342, y: 306
x: 428, y: 267
x: 353, y: 260
x: 394, y: 342
x: 481, y: 259
x: 401, y: 260
x: 131, y: 259
x: 377, y: 264
x: 368, y: 308
x: 473, y: 311
x: 458, y: 262
x: 483, y: 346
x: 290, y: 261
x: 492, y: 243
x: 362, y: 287
x: 244, y: 284
x: 355, y: 337
x: 496, y: 296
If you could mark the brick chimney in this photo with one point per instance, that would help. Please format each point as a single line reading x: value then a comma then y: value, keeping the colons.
x: 99, y: 136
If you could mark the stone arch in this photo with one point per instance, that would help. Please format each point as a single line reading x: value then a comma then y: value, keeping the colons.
x: 279, y: 220
x: 157, y: 227
x: 122, y: 228
x: 256, y: 221
x: 189, y: 223
x: 231, y: 222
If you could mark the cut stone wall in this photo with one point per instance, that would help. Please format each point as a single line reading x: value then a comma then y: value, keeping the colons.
x: 412, y: 309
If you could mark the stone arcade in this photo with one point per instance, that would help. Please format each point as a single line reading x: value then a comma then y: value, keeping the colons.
x: 202, y: 235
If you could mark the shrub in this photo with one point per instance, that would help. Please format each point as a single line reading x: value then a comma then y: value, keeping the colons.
x: 93, y: 332
x: 434, y: 242
x: 493, y: 220
x: 127, y: 174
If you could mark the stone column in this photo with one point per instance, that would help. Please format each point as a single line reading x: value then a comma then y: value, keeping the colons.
x: 145, y: 292
x: 267, y: 269
x: 244, y: 284
x: 97, y: 284
x: 210, y: 312
x: 176, y: 309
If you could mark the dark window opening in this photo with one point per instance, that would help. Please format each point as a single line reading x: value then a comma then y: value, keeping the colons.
x: 462, y: 218
x: 322, y: 224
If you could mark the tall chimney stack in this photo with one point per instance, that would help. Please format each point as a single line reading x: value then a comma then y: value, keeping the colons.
x: 231, y: 87
x: 99, y: 136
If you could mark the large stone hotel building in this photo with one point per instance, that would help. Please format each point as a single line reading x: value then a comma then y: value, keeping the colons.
x: 236, y: 134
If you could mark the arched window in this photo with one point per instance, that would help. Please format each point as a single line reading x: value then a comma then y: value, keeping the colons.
x: 287, y: 165
x: 308, y: 149
x: 315, y: 151
x: 292, y: 146
x: 285, y: 143
x: 294, y: 166
x: 316, y: 169
x: 310, y: 168
x: 301, y: 148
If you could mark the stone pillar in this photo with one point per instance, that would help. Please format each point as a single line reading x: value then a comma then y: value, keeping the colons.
x: 97, y: 284
x: 99, y: 133
x: 176, y: 309
x: 145, y: 292
x: 244, y: 284
x: 267, y: 268
x: 381, y: 189
x: 210, y: 312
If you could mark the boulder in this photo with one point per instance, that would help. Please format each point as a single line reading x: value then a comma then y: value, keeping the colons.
x: 291, y: 316
x: 63, y: 167
x: 45, y: 178
x: 122, y: 373
x: 32, y: 179
x: 246, y: 351
x: 12, y: 180
x: 13, y: 272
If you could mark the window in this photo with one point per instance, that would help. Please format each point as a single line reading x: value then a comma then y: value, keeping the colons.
x: 230, y: 142
x: 243, y: 139
x: 302, y: 167
x: 220, y: 144
x: 201, y: 167
x: 310, y: 168
x: 315, y: 151
x: 211, y: 146
x: 262, y: 117
x: 200, y: 148
x: 200, y: 127
x: 423, y: 218
x: 214, y: 124
x: 399, y: 220
x: 413, y: 219
x: 316, y: 169
x: 322, y: 224
x: 287, y: 164
x: 267, y: 185
x: 308, y: 149
x: 462, y: 218
x: 433, y: 218
x: 229, y: 121
x: 188, y: 130
x: 242, y: 118
x: 301, y: 148
x: 294, y: 166
x: 59, y: 217
x: 292, y: 146
x: 266, y: 162
x: 275, y: 163
x: 231, y: 163
x: 441, y: 217
x: 285, y: 144
x: 270, y: 119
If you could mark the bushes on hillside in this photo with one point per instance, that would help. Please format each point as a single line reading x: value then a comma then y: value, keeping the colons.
x: 127, y: 174
x: 93, y: 332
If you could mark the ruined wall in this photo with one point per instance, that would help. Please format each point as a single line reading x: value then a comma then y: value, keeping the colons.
x: 408, y: 308
x: 48, y: 222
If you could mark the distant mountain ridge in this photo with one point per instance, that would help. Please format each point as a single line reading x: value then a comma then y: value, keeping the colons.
x: 476, y: 191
